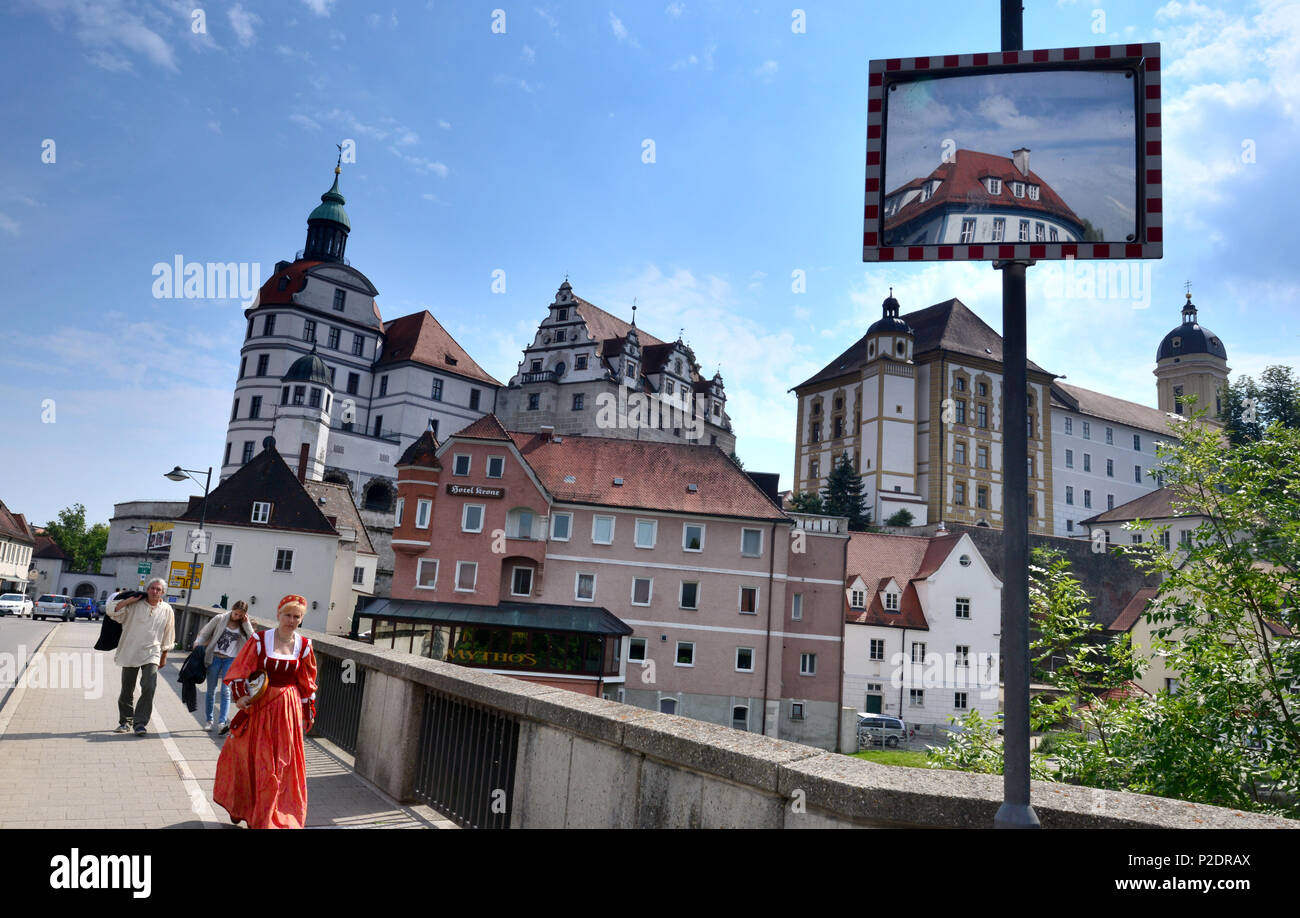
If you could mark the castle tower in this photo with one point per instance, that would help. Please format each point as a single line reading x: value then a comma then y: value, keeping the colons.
x: 302, y: 419
x: 887, y: 462
x: 1191, y: 361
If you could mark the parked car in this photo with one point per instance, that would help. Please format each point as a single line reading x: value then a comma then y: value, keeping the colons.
x: 52, y: 605
x: 86, y: 607
x: 881, y: 729
x: 15, y: 604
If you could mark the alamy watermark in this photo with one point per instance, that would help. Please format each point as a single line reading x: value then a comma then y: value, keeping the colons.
x: 213, y: 280
x: 83, y: 670
x: 639, y: 410
x: 1119, y: 281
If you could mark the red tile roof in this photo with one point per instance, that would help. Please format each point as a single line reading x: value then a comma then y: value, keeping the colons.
x: 419, y: 337
x: 48, y: 548
x: 14, y: 525
x: 1130, y: 614
x: 422, y: 452
x: 961, y: 184
x: 485, y: 428
x: 878, y: 558
x: 270, y: 293
x: 654, y: 475
x: 605, y: 325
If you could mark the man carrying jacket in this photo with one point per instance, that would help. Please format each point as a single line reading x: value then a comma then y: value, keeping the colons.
x: 148, y: 632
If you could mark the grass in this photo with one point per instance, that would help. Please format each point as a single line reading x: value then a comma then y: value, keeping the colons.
x: 903, y: 757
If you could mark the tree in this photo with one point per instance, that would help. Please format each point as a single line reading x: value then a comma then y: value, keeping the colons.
x: 901, y: 518
x: 1249, y: 408
x: 806, y: 502
x: 842, y: 495
x: 736, y: 459
x: 84, y: 547
x: 1225, y: 619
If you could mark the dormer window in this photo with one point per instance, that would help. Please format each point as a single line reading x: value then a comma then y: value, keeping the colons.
x: 858, y: 599
x: 891, y: 601
x: 284, y: 282
x: 1018, y: 189
x: 994, y: 185
x: 562, y: 313
x: 261, y: 511
x: 1033, y: 192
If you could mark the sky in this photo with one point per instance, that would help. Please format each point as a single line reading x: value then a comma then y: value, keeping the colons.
x: 704, y: 157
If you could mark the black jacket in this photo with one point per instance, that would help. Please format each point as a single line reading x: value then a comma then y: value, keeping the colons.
x: 193, y: 671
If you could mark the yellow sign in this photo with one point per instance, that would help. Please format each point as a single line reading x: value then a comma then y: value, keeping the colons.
x: 179, y: 578
x: 160, y: 536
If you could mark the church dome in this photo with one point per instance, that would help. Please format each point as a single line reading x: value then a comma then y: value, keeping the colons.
x: 890, y: 321
x: 1190, y: 338
x: 308, y: 368
x: 331, y: 205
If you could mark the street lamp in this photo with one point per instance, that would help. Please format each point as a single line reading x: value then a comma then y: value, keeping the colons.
x: 180, y: 474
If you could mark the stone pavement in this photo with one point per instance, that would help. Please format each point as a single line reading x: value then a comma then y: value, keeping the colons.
x: 62, y: 766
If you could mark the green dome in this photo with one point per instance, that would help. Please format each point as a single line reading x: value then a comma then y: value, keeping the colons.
x: 331, y: 206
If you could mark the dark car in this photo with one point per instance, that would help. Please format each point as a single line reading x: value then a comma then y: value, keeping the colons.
x: 87, y: 607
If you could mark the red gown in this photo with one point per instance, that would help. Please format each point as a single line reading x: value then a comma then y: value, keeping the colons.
x: 262, y: 772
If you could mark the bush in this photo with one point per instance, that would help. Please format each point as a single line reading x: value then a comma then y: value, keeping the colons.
x: 901, y: 518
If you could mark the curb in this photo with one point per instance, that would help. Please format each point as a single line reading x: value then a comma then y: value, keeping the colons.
x: 15, y: 694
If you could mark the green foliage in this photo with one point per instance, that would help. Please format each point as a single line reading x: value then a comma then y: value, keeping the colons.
x: 901, y: 518
x: 84, y: 547
x: 1276, y: 398
x: 1231, y: 735
x: 976, y: 746
x: 842, y: 495
x: 736, y: 459
x: 806, y: 502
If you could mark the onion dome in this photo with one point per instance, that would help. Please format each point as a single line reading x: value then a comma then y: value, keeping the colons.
x: 1190, y: 338
x: 308, y: 368
x: 890, y: 321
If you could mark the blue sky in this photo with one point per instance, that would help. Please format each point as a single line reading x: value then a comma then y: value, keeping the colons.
x: 522, y: 150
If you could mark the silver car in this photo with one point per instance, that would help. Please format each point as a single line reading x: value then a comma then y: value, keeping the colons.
x: 881, y: 729
x: 52, y: 605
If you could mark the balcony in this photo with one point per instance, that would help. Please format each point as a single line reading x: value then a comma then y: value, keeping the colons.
x: 809, y: 522
x: 540, y: 377
x: 390, y: 436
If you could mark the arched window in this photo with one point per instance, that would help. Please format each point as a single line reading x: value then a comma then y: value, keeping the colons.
x: 379, y: 496
x: 334, y: 476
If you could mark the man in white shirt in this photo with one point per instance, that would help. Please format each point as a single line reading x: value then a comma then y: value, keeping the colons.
x: 148, y: 632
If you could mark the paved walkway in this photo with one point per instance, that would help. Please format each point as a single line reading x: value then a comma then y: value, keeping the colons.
x: 62, y: 766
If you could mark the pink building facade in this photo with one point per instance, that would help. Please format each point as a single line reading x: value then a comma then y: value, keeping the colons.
x: 734, y: 607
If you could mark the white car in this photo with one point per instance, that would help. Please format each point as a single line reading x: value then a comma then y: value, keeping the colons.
x: 15, y: 604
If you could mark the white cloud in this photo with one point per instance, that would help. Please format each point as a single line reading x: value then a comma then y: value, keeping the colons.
x: 419, y: 162
x: 528, y: 55
x: 704, y: 58
x: 112, y: 34
x: 675, y: 9
x: 294, y: 54
x: 620, y: 31
x: 548, y: 19
x: 8, y: 224
x: 766, y: 70
x: 244, y: 24
x: 304, y: 122
x: 445, y: 125
x: 503, y: 80
x: 319, y: 7
x: 214, y: 127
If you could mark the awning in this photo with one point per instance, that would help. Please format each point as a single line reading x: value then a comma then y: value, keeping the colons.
x: 533, y: 616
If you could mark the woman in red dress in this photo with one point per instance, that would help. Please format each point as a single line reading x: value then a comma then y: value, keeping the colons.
x: 262, y: 772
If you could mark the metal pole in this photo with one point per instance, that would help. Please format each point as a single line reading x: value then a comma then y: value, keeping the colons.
x: 203, y: 515
x: 1016, y: 811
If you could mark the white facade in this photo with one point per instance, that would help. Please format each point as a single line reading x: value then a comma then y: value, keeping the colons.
x: 1097, y: 465
x: 15, y: 561
x: 959, y: 649
x: 321, y: 569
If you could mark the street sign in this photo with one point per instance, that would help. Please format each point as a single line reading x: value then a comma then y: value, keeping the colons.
x: 179, y: 578
x: 145, y: 568
x: 198, y: 542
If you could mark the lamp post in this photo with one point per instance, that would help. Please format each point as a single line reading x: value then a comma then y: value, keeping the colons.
x: 180, y: 474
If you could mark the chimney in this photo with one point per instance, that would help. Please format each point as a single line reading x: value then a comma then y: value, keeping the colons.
x: 302, y: 461
x: 546, y: 431
x: 1021, y: 159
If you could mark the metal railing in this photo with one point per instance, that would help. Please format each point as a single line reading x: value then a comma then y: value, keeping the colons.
x: 340, y: 686
x: 539, y: 376
x: 466, y: 761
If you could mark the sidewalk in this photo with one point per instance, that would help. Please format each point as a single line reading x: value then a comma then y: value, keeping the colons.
x: 62, y: 766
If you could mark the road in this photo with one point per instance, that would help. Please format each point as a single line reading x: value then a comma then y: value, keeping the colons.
x: 19, y: 637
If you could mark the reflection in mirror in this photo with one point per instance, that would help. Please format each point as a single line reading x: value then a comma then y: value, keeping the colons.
x: 958, y: 153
